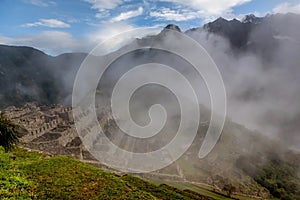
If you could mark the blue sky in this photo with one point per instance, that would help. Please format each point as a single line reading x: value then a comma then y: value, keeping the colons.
x: 41, y: 23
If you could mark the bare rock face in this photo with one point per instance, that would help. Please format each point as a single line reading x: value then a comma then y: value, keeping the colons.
x: 252, y: 19
x: 173, y: 27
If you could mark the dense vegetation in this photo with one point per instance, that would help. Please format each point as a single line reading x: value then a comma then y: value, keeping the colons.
x: 279, y: 174
x: 280, y: 179
x: 32, y: 175
x: 8, y: 133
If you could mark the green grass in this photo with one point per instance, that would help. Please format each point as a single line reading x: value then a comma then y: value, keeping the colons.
x: 202, y: 189
x: 36, y: 176
x: 162, y: 191
x: 205, y: 191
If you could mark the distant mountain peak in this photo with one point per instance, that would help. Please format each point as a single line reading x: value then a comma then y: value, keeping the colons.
x: 221, y: 19
x: 237, y: 32
x: 251, y: 19
x: 173, y: 27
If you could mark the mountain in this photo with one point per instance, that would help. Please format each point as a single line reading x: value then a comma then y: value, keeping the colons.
x: 237, y: 32
x: 173, y: 27
x: 28, y: 74
x: 255, y: 34
x: 245, y: 160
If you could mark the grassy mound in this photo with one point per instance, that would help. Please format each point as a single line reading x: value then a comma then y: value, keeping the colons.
x: 30, y: 175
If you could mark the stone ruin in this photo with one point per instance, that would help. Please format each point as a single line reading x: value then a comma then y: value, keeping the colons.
x: 50, y: 129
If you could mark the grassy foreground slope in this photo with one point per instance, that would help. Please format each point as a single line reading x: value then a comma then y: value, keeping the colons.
x: 30, y: 175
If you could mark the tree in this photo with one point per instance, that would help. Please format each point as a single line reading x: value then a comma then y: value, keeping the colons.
x: 8, y: 133
x: 229, y: 189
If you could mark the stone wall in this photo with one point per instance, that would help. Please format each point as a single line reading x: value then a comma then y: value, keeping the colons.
x: 51, y: 129
x: 39, y: 131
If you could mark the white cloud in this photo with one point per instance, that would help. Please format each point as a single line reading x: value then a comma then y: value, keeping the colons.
x: 102, y: 14
x: 104, y: 4
x: 52, y: 23
x: 107, y: 30
x: 37, y: 3
x: 128, y: 15
x: 208, y: 8
x: 57, y: 42
x: 53, y: 42
x: 174, y: 15
x: 184, y: 9
x: 73, y: 20
x: 287, y: 8
x: 125, y: 34
x: 40, y: 3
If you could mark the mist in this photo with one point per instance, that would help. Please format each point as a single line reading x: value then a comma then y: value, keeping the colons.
x: 262, y: 79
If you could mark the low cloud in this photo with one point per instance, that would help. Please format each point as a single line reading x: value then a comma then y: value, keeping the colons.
x: 51, y: 23
x: 58, y: 42
x: 262, y: 85
x: 287, y: 8
x: 52, y: 42
x: 127, y: 34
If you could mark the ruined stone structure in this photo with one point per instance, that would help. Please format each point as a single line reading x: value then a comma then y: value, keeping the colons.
x: 51, y: 129
x: 47, y: 128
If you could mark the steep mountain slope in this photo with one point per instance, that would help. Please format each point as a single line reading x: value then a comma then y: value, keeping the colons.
x: 237, y: 32
x: 258, y: 35
x: 24, y: 76
x: 28, y: 74
x: 33, y: 175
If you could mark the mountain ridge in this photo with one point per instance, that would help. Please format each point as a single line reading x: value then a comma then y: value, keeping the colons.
x: 27, y: 75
